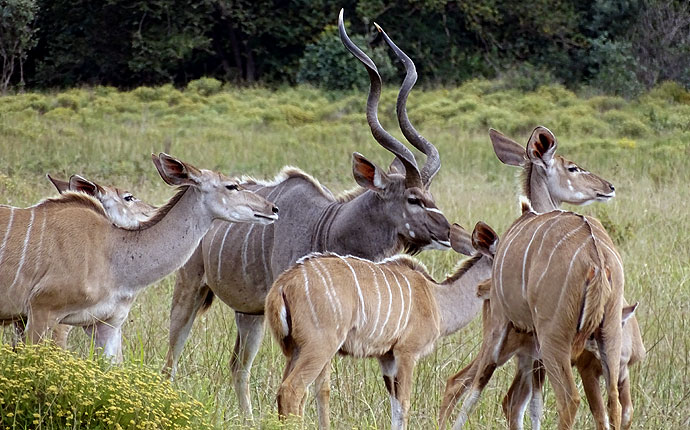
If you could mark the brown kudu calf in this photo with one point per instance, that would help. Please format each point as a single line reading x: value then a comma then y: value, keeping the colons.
x: 392, y: 310
x: 80, y: 269
x: 555, y: 275
x: 391, y: 212
x: 547, y: 188
x: 121, y: 207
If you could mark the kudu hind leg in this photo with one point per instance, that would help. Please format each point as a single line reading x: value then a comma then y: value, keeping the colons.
x: 519, y: 394
x: 322, y: 392
x: 301, y: 371
x: 250, y: 331
x: 456, y: 386
x: 558, y: 368
x: 609, y: 343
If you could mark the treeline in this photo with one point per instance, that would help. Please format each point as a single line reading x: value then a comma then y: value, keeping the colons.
x: 618, y: 46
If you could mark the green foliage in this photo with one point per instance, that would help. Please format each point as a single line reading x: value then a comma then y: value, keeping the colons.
x: 49, y: 388
x: 327, y: 64
x: 17, y: 37
x: 616, y: 68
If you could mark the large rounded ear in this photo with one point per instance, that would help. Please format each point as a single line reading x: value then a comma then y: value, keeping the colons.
x: 460, y: 240
x: 507, y: 150
x: 174, y: 171
x: 367, y: 174
x: 61, y: 185
x: 83, y: 185
x: 541, y: 146
x: 484, y: 239
x: 628, y: 312
x: 396, y: 167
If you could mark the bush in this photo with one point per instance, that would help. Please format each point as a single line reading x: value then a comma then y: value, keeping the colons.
x: 42, y: 386
x: 616, y: 68
x: 327, y: 63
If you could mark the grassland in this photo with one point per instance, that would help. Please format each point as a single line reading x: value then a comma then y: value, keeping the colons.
x: 642, y: 146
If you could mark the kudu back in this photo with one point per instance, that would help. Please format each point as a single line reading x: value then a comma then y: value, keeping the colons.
x: 392, y: 211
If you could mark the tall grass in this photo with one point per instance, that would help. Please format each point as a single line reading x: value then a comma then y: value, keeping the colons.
x: 642, y: 146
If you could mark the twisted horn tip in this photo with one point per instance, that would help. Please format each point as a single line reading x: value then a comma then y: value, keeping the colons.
x: 378, y: 27
x: 340, y: 16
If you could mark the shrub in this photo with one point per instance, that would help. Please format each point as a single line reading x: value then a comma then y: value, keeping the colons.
x: 42, y: 386
x: 205, y: 86
x: 327, y: 63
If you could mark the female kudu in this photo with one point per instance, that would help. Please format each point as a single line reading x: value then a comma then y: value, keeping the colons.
x: 80, y: 269
x: 546, y: 188
x: 391, y: 211
x: 556, y: 275
x: 392, y: 310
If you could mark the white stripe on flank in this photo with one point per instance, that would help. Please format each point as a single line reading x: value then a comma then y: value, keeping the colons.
x: 524, y: 259
x: 565, y: 283
x: 409, y: 300
x: 328, y: 291
x: 402, y: 301
x: 245, y: 247
x: 39, y: 248
x: 220, y: 252
x: 359, y: 291
x: 306, y: 291
x: 378, y: 298
x: 390, y: 301
x: 210, y: 244
x: 553, y: 251
x: 499, y: 289
x: 7, y: 234
x: 332, y: 286
x: 26, y: 245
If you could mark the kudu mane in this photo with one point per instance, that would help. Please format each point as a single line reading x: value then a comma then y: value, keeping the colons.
x: 161, y: 212
x: 74, y: 198
x: 462, y: 268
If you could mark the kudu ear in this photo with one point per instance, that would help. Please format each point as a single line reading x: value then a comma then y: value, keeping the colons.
x: 174, y: 171
x: 396, y: 167
x: 541, y: 146
x: 461, y: 240
x: 484, y: 239
x: 61, y: 185
x: 367, y: 174
x: 507, y: 150
x: 83, y: 185
x: 628, y: 312
x: 484, y: 289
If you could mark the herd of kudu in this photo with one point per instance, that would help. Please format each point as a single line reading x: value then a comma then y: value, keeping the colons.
x: 327, y: 278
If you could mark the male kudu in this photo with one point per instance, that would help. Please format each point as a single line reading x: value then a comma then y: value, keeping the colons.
x: 392, y: 311
x: 81, y: 269
x: 558, y: 276
x: 392, y: 211
x: 561, y: 181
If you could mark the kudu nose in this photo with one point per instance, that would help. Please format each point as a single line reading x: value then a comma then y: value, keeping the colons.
x: 612, y: 187
x: 274, y: 209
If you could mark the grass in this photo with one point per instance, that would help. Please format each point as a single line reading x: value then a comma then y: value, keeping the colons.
x: 642, y: 146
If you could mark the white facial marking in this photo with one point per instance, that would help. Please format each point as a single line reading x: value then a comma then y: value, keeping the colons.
x: 404, y: 215
x: 434, y: 210
x: 225, y: 201
x: 407, y: 225
x: 412, y: 235
x: 570, y: 185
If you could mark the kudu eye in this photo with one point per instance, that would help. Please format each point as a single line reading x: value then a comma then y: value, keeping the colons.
x: 128, y: 198
x: 414, y: 201
x: 232, y: 187
x: 573, y: 169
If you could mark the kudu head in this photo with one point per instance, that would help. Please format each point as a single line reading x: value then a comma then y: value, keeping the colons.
x: 404, y: 190
x: 122, y: 207
x: 554, y: 178
x: 224, y: 197
x: 482, y: 243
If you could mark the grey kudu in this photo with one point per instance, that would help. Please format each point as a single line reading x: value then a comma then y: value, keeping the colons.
x: 391, y: 212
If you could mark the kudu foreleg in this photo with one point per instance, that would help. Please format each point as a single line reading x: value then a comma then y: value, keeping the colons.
x: 250, y: 331
x: 456, y: 386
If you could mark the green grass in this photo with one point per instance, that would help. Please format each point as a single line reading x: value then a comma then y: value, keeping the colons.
x: 642, y: 146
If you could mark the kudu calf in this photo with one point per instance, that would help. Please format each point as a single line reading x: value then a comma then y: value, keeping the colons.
x: 392, y: 310
x: 561, y: 181
x: 558, y: 283
x: 121, y: 207
x: 391, y: 212
x: 80, y: 269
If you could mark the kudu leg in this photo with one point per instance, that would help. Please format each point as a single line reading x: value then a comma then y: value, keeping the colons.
x: 250, y: 331
x: 558, y: 368
x: 519, y: 394
x: 40, y: 322
x: 109, y: 337
x: 536, y: 404
x: 456, y: 386
x: 322, y: 392
x: 609, y: 343
x: 589, y: 368
x: 626, y: 401
x: 189, y: 296
x: 402, y: 387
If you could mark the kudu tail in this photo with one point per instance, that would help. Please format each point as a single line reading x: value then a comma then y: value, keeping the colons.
x: 597, y: 289
x: 208, y: 301
x: 279, y: 318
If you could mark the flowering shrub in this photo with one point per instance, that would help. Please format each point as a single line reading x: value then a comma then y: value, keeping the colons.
x: 44, y: 387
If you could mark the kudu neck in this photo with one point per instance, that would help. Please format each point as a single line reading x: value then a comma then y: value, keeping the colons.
x: 360, y: 227
x: 538, y: 192
x: 142, y: 257
x: 457, y: 298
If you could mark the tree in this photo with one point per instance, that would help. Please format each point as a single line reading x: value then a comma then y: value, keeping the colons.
x: 17, y: 37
